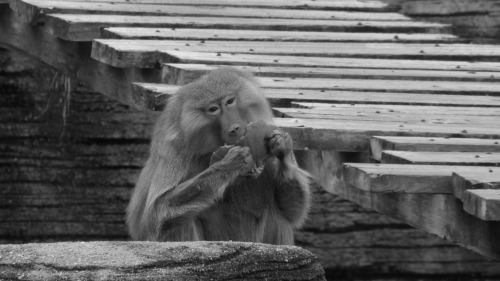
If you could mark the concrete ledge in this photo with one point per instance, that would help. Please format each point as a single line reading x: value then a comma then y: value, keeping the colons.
x: 154, y: 261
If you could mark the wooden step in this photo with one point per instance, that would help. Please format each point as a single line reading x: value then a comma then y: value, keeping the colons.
x: 483, y: 203
x: 271, y: 35
x: 85, y: 27
x: 31, y: 9
x: 391, y: 178
x: 440, y: 214
x: 379, y: 144
x: 465, y: 180
x: 181, y: 74
x: 147, y: 53
x: 442, y: 158
x: 153, y: 97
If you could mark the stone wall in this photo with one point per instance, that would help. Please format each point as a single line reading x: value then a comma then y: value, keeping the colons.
x: 69, y: 162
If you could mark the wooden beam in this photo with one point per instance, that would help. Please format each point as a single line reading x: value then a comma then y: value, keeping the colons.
x: 469, y: 180
x: 85, y: 27
x: 442, y: 158
x: 147, y: 53
x: 483, y: 203
x: 440, y: 214
x: 395, y: 178
x: 379, y: 144
x: 180, y: 74
x: 270, y: 35
x: 30, y: 10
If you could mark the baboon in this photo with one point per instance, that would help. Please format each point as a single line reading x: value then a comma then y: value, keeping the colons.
x: 219, y: 169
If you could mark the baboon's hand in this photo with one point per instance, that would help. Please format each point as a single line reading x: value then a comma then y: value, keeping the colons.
x: 278, y: 144
x: 238, y: 158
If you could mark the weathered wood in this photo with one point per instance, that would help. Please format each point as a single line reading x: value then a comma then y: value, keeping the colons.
x: 146, y: 53
x: 379, y: 144
x: 153, y: 261
x: 449, y: 8
x: 381, y: 85
x: 395, y: 178
x: 228, y: 58
x: 345, y: 135
x: 269, y: 35
x: 442, y: 158
x: 31, y: 10
x: 86, y: 27
x: 71, y: 58
x: 399, y: 109
x: 181, y: 74
x: 370, y: 5
x: 399, y: 117
x: 440, y: 214
x: 465, y: 180
x: 154, y: 96
x: 483, y: 203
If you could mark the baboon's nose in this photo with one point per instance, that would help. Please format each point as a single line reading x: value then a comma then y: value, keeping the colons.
x: 234, y: 129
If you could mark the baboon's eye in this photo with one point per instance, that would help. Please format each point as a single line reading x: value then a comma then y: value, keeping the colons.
x: 213, y: 110
x: 230, y: 101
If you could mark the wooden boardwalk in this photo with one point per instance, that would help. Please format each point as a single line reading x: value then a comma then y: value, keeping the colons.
x: 342, y: 75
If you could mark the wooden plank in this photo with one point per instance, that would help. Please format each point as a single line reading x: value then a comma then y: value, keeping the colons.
x: 345, y: 135
x: 154, y: 96
x: 395, y: 178
x: 221, y: 58
x: 379, y: 144
x: 85, y: 27
x: 440, y: 214
x: 270, y: 35
x: 402, y: 119
x: 146, y: 53
x: 383, y: 85
x: 466, y: 180
x: 483, y: 203
x: 181, y: 74
x: 31, y: 10
x: 441, y: 158
x: 398, y: 109
x: 361, y: 5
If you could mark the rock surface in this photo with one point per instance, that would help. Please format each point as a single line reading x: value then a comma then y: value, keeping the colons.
x: 155, y: 261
